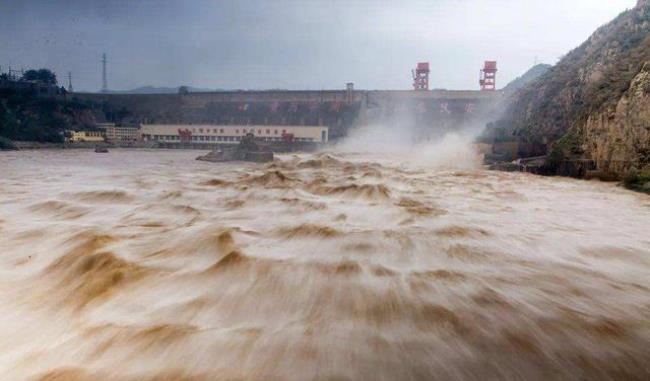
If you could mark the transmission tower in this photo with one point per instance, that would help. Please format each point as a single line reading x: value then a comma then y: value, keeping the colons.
x: 15, y: 74
x: 104, y: 80
x: 69, y: 82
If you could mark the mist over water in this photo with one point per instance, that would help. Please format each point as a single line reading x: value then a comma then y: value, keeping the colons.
x: 454, y: 149
x: 377, y: 260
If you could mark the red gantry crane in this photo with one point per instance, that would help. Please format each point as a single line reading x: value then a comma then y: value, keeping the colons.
x: 421, y: 76
x: 487, y: 77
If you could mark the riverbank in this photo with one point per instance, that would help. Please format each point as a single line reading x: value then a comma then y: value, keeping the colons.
x: 275, y: 147
x: 32, y: 145
x: 577, y: 168
x: 638, y: 180
x: 7, y: 145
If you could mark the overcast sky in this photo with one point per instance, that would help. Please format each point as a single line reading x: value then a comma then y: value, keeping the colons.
x: 292, y: 44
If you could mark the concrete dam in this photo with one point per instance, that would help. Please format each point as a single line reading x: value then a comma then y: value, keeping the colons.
x: 429, y: 111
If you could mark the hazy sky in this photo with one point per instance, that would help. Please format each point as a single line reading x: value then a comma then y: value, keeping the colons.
x: 308, y: 44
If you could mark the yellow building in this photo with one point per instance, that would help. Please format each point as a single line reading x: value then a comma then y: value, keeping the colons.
x: 230, y: 134
x: 86, y: 136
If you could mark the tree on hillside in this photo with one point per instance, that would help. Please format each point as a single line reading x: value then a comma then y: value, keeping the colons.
x: 43, y: 75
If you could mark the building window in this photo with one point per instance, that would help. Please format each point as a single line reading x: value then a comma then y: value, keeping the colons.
x: 221, y: 130
x: 268, y: 132
x: 237, y: 131
x: 275, y: 132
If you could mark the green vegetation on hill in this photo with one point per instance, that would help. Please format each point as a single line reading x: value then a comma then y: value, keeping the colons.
x: 6, y: 144
x: 26, y: 116
x: 34, y: 109
x: 41, y: 75
x: 638, y: 180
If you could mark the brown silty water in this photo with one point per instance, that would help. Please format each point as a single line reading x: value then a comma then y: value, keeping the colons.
x: 149, y: 265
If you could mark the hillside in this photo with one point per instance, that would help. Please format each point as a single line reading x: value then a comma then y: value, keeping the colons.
x: 532, y: 74
x: 30, y: 117
x: 595, y: 103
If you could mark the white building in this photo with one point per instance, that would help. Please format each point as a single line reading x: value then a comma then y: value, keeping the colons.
x: 122, y: 133
x: 230, y: 134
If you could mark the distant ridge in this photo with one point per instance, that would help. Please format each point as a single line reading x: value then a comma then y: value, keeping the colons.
x: 158, y: 90
x: 532, y: 74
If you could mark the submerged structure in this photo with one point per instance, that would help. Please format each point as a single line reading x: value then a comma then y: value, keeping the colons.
x: 246, y: 150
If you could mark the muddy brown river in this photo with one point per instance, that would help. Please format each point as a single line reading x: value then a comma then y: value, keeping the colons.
x: 149, y: 265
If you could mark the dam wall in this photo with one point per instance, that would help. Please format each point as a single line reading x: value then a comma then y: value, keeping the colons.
x: 428, y: 113
x: 340, y: 110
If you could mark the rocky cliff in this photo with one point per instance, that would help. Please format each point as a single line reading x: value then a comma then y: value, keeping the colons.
x: 595, y: 103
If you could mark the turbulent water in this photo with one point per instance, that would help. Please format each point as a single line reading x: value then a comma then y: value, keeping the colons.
x: 149, y: 265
